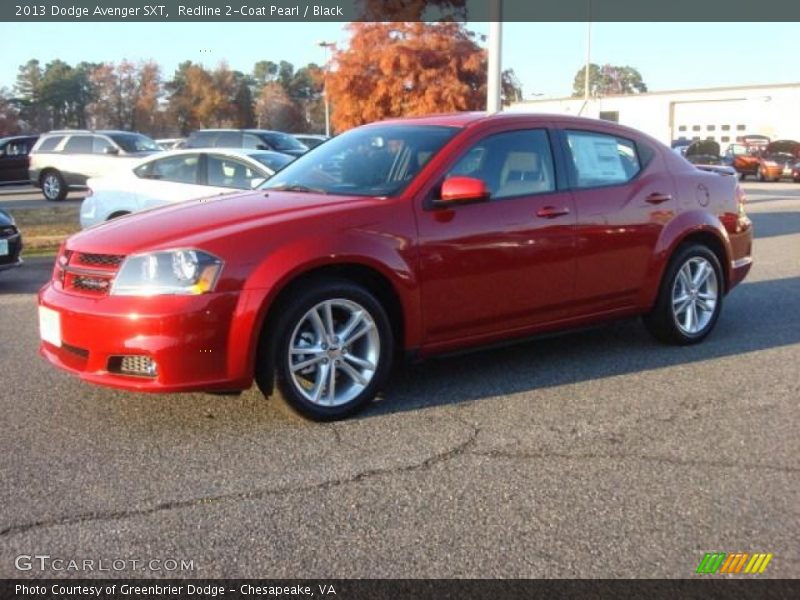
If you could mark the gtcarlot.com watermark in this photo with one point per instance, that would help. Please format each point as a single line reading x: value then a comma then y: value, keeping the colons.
x: 47, y: 563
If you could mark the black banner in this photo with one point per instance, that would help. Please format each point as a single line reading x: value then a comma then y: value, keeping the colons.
x: 425, y: 589
x: 278, y: 11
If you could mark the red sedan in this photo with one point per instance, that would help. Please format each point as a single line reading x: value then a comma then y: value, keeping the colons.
x: 419, y: 236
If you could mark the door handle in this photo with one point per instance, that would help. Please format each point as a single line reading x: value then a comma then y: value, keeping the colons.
x: 657, y: 198
x: 551, y: 212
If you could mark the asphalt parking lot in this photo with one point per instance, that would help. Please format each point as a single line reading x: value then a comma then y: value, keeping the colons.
x: 595, y: 454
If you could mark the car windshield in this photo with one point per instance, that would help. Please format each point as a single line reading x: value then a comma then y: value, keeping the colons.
x: 281, y: 141
x: 274, y: 160
x: 135, y: 142
x: 369, y: 161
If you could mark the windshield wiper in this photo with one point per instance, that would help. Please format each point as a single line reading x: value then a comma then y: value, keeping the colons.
x: 296, y: 187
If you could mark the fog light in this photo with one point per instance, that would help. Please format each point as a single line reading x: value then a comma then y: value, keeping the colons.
x: 133, y: 364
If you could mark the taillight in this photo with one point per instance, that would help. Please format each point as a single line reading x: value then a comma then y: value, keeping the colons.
x: 741, y: 199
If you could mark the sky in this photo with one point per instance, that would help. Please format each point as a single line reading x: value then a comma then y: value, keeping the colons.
x: 545, y: 56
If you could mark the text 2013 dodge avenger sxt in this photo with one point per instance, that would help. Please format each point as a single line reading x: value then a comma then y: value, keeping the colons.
x: 422, y: 235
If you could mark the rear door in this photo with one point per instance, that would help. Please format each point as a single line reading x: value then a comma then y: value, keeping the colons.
x: 623, y: 199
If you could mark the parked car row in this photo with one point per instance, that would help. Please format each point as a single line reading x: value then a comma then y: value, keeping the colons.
x: 754, y: 156
x: 61, y: 161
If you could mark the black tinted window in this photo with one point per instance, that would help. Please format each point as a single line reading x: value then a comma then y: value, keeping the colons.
x: 50, y: 144
x: 135, y: 142
x: 79, y: 144
x: 515, y: 163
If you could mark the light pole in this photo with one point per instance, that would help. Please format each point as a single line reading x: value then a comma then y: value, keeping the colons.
x: 586, y: 83
x: 493, y: 79
x: 327, y: 46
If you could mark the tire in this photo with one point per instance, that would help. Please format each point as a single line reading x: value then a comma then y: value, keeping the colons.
x: 356, y: 366
x: 54, y: 187
x: 685, y: 312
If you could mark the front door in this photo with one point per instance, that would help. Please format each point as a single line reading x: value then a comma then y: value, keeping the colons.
x: 504, y: 264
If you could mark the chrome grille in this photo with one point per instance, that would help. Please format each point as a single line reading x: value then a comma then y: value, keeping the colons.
x: 87, y: 273
x: 106, y: 260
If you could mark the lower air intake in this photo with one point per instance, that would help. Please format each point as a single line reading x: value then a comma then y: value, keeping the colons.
x: 133, y: 364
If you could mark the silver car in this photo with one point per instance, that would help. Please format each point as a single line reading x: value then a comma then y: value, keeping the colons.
x: 63, y: 160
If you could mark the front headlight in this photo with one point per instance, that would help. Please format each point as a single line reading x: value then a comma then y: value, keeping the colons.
x: 168, y: 272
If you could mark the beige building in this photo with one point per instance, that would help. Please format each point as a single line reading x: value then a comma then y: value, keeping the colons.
x: 721, y: 114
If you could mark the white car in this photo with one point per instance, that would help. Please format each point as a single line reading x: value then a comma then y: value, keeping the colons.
x: 176, y: 176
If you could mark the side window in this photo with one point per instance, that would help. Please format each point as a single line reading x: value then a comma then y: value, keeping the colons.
x: 202, y: 139
x: 228, y: 139
x: 50, y: 144
x: 254, y: 142
x: 180, y: 169
x: 515, y: 163
x: 79, y: 144
x: 99, y: 145
x: 228, y: 172
x: 600, y: 159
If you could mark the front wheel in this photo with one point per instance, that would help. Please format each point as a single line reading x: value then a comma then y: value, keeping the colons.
x: 690, y: 298
x: 333, y: 351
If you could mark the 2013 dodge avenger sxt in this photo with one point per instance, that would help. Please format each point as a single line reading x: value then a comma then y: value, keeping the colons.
x: 423, y: 235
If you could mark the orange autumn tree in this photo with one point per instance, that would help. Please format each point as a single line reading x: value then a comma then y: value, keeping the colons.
x: 406, y: 69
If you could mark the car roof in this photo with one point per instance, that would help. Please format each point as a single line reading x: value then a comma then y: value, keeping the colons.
x: 465, y: 119
x: 240, y: 152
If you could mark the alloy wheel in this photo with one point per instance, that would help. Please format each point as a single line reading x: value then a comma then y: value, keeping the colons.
x: 334, y: 352
x: 695, y: 293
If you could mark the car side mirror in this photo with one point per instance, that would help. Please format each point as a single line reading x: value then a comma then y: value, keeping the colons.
x: 256, y: 181
x: 110, y: 150
x: 458, y: 190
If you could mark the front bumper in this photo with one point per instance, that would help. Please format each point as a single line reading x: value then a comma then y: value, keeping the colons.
x: 11, y: 258
x: 188, y: 338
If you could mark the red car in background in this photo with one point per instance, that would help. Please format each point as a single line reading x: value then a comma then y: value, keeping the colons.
x: 778, y: 160
x: 422, y: 236
x: 743, y: 158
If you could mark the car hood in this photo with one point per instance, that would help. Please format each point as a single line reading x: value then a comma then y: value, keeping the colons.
x: 196, y: 221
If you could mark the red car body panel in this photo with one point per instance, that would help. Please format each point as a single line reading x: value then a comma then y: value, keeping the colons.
x: 462, y: 275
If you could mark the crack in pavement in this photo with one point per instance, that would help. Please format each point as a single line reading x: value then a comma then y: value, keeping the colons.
x: 522, y: 455
x: 430, y: 461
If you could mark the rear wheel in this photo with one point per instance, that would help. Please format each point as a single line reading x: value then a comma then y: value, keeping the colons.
x: 53, y: 186
x: 690, y: 298
x: 333, y: 350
